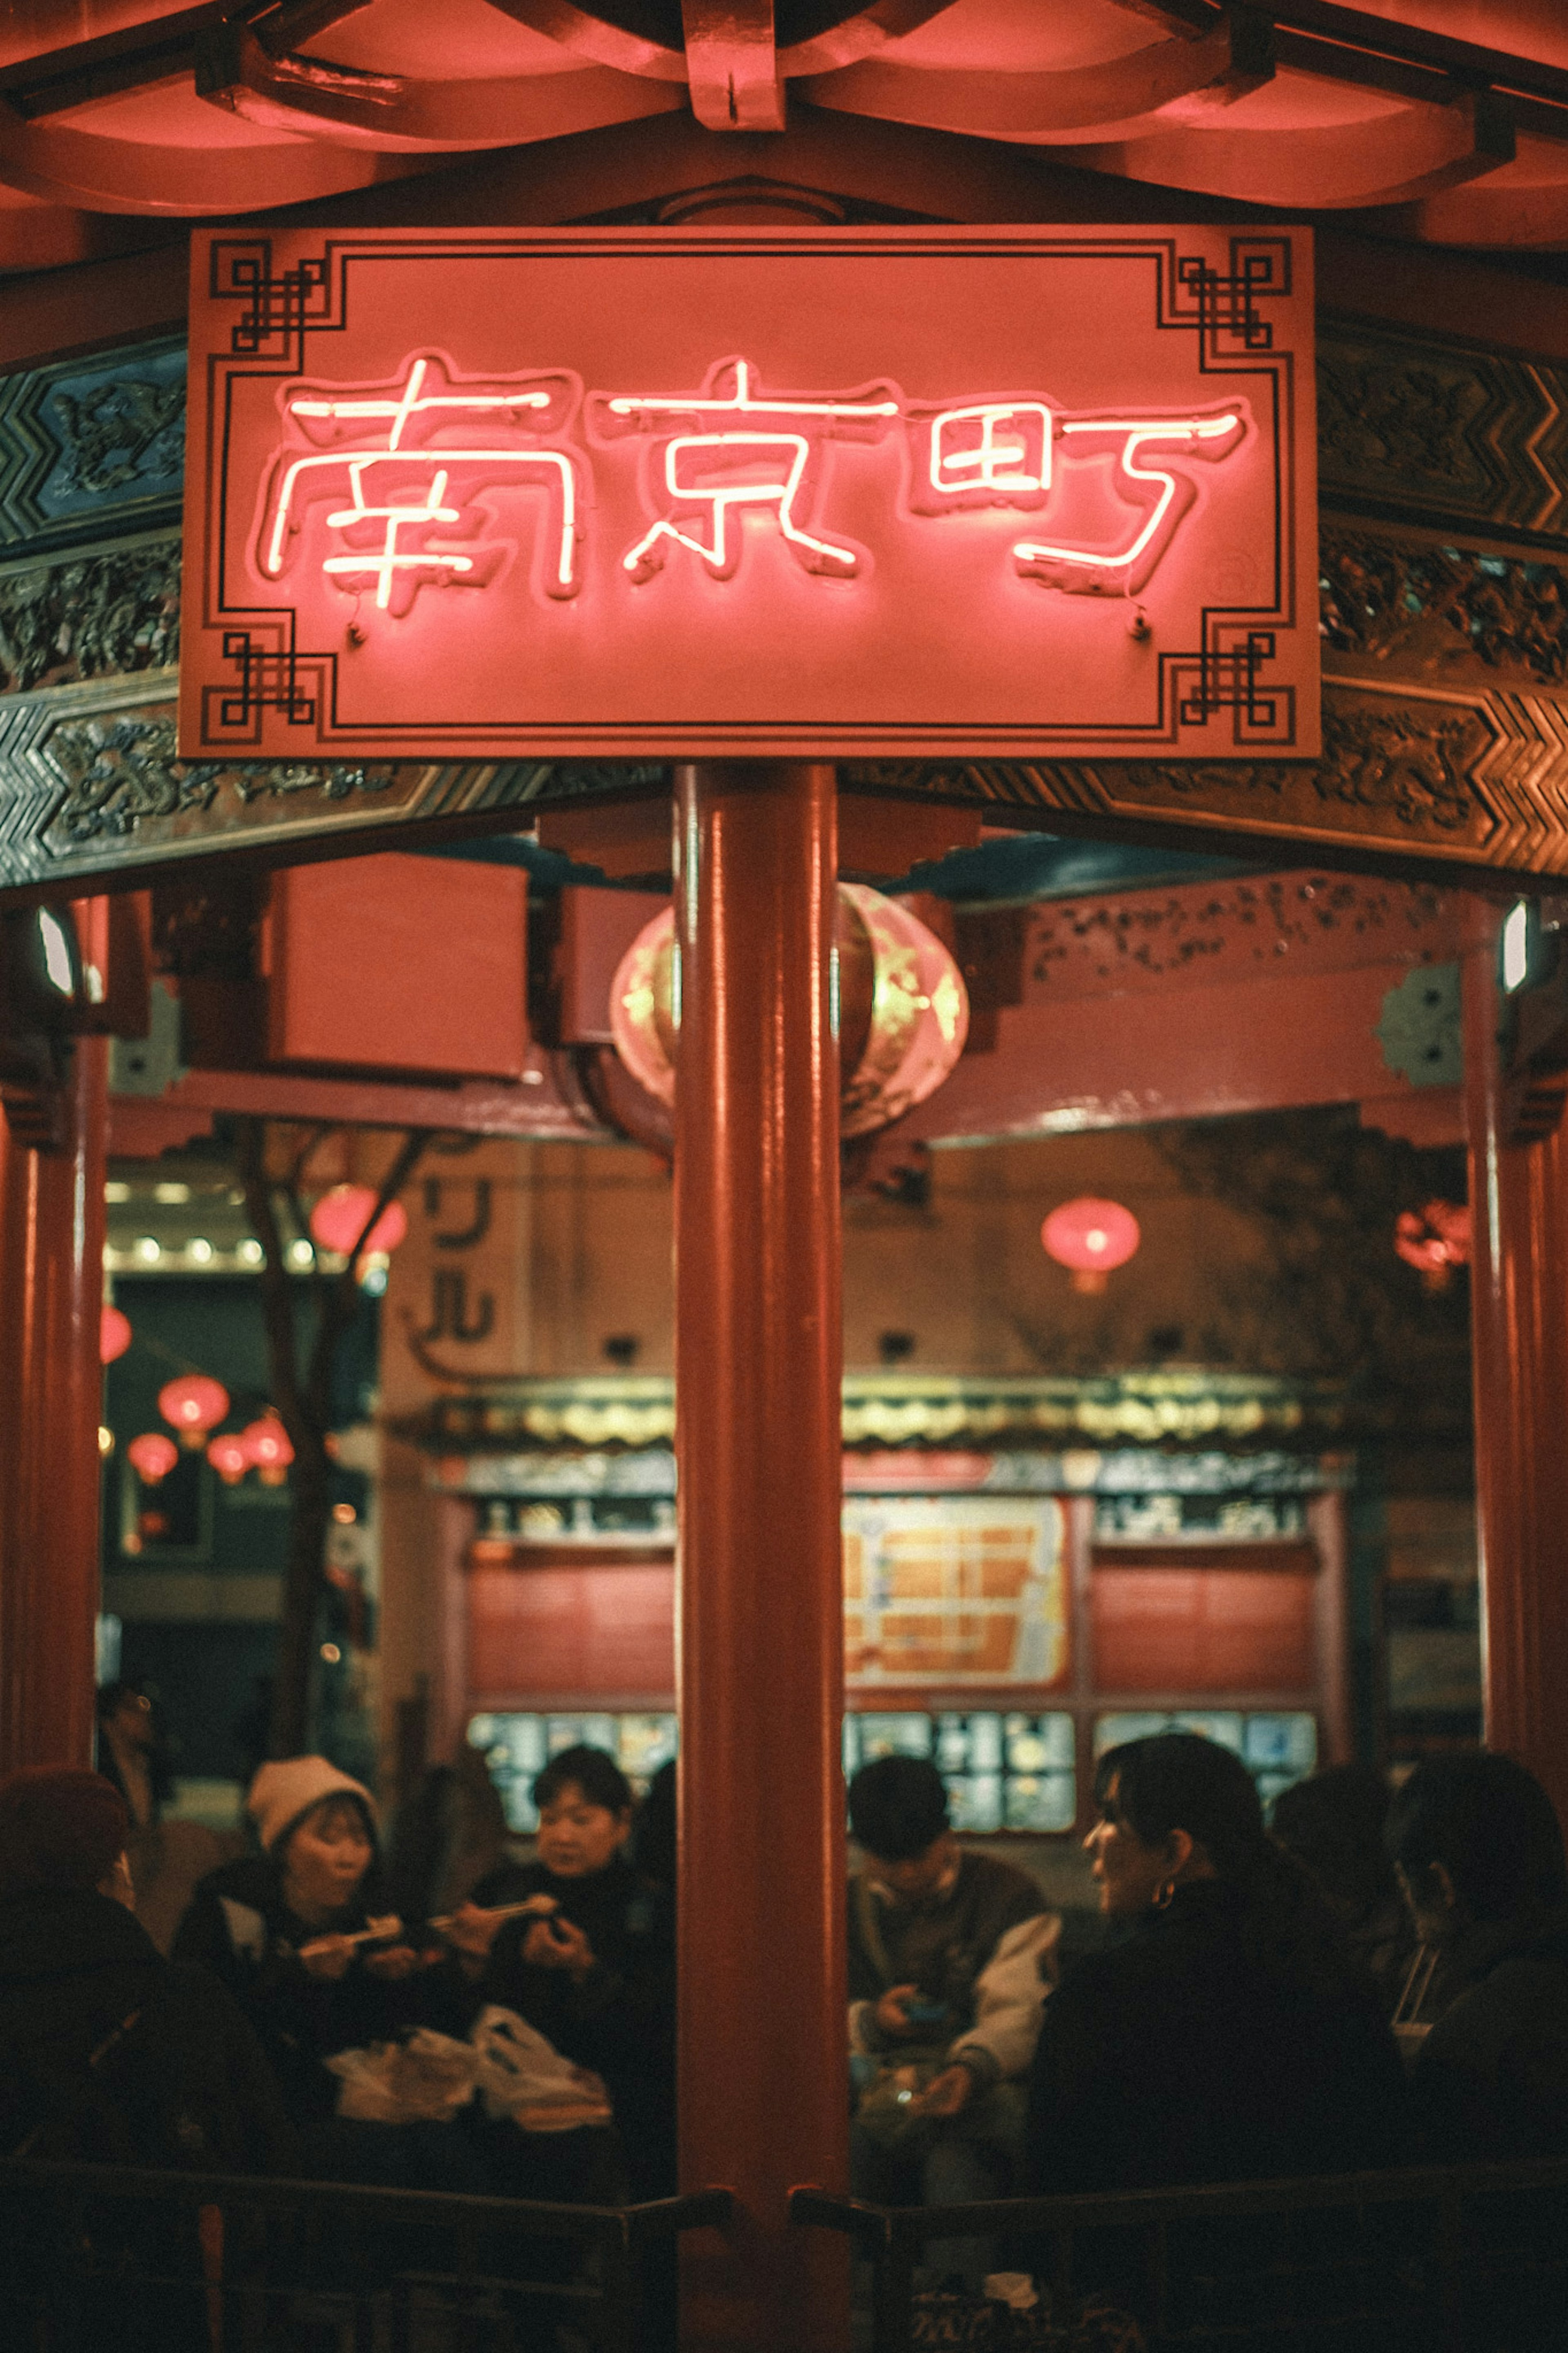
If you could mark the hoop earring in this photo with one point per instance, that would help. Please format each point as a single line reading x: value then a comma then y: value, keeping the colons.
x: 1164, y: 1894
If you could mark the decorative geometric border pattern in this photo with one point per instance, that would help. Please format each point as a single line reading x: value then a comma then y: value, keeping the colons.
x: 91, y: 787
x: 90, y: 447
x: 1229, y: 673
x: 1470, y: 776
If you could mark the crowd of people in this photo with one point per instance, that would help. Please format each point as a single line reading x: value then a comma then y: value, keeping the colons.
x: 1370, y: 1982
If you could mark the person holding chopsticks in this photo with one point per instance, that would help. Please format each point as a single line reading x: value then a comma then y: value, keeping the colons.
x: 301, y: 1936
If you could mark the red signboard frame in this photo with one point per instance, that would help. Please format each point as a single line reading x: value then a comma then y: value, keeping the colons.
x: 817, y: 493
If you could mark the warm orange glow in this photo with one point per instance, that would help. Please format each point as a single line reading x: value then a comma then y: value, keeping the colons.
x: 267, y: 1444
x: 229, y: 1457
x: 194, y: 1404
x: 1090, y: 1238
x: 340, y: 1217
x: 152, y: 1456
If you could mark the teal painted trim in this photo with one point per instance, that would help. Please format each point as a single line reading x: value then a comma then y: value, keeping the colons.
x: 92, y: 448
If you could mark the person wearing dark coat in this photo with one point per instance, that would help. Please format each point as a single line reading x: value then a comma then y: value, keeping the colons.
x: 1333, y: 1824
x: 1228, y: 2035
x: 594, y: 1970
x: 111, y: 2054
x: 1479, y: 1853
x: 279, y: 1931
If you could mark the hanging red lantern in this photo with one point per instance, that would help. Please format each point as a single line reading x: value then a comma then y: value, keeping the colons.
x: 1434, y: 1240
x: 903, y: 1010
x: 229, y: 1456
x: 340, y: 1217
x: 267, y: 1445
x: 1090, y: 1238
x: 114, y: 1334
x: 152, y: 1456
x: 194, y: 1404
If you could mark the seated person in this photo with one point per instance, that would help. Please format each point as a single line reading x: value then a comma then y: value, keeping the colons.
x: 280, y: 1929
x: 946, y: 1949
x: 1334, y: 1824
x: 1479, y: 1853
x: 1229, y: 2036
x: 107, y: 2053
x: 595, y: 1974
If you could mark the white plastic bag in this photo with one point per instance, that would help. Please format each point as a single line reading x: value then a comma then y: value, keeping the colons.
x: 522, y: 2076
x: 422, y: 2080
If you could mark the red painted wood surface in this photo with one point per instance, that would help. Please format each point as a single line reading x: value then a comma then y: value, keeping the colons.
x: 1519, y: 1306
x: 1122, y: 1059
x: 51, y: 1260
x: 597, y: 927
x: 600, y: 1631
x: 763, y: 2066
x: 400, y: 964
x: 1200, y: 1630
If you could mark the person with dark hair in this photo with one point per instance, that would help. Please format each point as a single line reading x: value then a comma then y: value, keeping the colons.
x: 1229, y: 2036
x: 1333, y: 1825
x: 1478, y: 1850
x: 654, y: 1840
x: 946, y: 1953
x: 283, y: 1930
x: 107, y: 2053
x: 132, y: 1753
x: 592, y: 1968
x: 110, y: 2055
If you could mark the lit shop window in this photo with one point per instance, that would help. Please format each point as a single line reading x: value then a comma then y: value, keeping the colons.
x: 516, y: 1747
x: 1275, y: 1750
x: 1004, y: 1772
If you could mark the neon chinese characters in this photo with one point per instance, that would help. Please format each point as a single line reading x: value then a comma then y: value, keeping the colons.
x: 752, y: 461
x: 397, y: 488
x: 396, y: 450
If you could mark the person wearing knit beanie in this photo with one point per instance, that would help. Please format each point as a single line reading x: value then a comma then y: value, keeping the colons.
x: 287, y: 1789
x: 60, y: 1830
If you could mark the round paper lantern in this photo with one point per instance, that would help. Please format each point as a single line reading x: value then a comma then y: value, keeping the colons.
x: 1434, y: 1240
x: 339, y: 1218
x: 1090, y: 1237
x: 114, y: 1334
x: 229, y: 1456
x: 267, y: 1445
x: 194, y: 1404
x: 903, y: 1011
x: 152, y: 1456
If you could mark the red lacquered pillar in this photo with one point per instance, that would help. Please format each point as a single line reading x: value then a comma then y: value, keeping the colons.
x: 1519, y: 1194
x: 762, y: 2070
x: 51, y: 1281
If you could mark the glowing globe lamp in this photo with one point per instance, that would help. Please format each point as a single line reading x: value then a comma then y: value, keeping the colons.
x: 114, y: 1334
x: 267, y: 1445
x: 194, y: 1405
x: 903, y: 1010
x: 152, y: 1456
x: 1090, y: 1237
x: 1434, y: 1240
x: 229, y: 1456
x: 340, y: 1217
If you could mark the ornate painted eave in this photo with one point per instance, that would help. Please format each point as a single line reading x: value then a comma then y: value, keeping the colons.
x: 898, y: 1410
x: 1444, y: 610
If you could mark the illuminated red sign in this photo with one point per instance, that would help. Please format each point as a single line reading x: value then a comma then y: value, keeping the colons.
x: 644, y: 493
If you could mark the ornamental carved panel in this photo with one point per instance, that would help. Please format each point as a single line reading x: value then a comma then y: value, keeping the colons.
x: 92, y: 785
x: 92, y: 446
x: 1437, y: 430
x: 1464, y: 776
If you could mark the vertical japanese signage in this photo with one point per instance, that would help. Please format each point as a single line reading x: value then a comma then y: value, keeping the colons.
x: 815, y: 494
